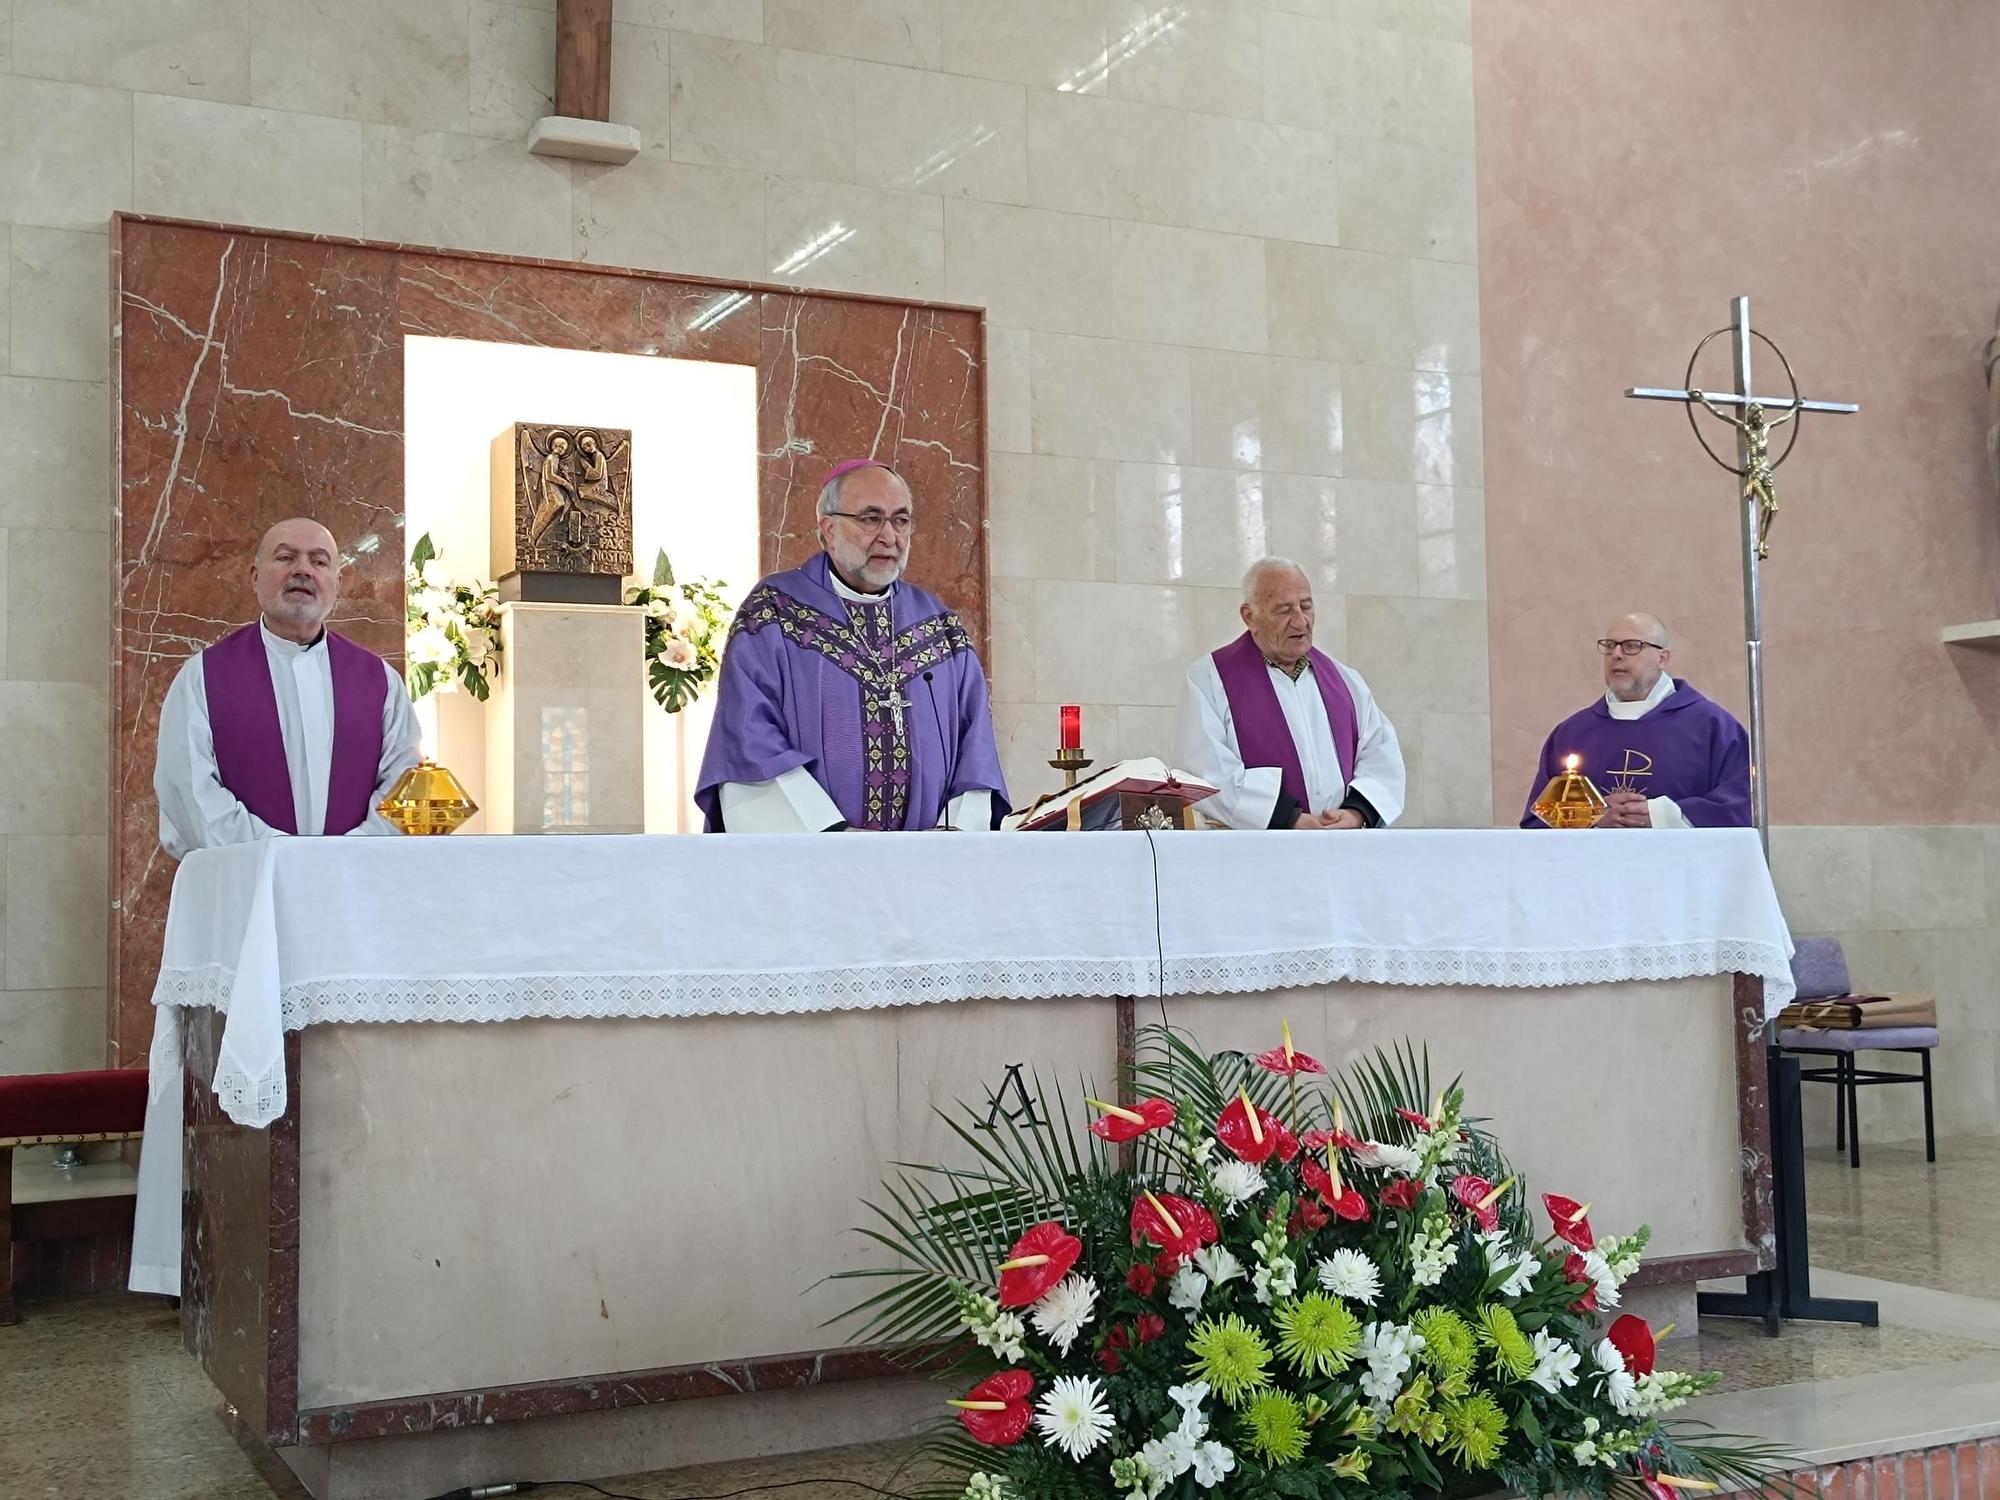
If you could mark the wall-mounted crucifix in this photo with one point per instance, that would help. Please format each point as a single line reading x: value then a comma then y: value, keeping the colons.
x: 582, y: 127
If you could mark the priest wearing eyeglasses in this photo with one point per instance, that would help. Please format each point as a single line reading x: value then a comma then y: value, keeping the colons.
x: 1663, y: 755
x: 849, y: 698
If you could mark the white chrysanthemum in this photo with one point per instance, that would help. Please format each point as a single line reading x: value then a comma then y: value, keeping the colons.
x: 1398, y: 1159
x: 1598, y: 1269
x: 1555, y: 1362
x: 1211, y: 1462
x: 1217, y: 1264
x: 1238, y: 1182
x: 1063, y: 1310
x: 1619, y: 1387
x: 1072, y: 1416
x: 1187, y: 1289
x: 1608, y: 1358
x: 1352, y: 1276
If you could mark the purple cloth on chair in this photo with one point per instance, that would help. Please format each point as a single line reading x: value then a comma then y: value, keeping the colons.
x: 1886, y: 1038
x: 1819, y: 969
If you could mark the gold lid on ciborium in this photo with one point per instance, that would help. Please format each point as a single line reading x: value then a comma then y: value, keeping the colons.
x: 428, y: 799
x: 1569, y: 800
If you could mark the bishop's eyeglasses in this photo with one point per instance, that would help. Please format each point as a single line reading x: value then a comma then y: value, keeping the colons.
x: 874, y: 520
x: 1626, y: 648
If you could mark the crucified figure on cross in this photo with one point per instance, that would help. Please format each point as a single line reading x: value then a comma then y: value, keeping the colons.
x: 1759, y: 474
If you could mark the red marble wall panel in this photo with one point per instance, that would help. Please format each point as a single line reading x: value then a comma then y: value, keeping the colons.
x: 260, y: 376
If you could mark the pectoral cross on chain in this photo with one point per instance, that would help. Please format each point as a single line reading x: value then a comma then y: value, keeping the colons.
x: 895, y: 703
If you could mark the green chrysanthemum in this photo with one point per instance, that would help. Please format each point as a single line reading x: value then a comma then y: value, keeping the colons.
x: 1318, y: 1335
x: 1475, y: 1429
x: 1275, y: 1425
x: 1513, y: 1355
x: 1449, y: 1347
x: 1231, y: 1356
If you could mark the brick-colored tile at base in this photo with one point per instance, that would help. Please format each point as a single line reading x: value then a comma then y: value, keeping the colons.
x: 1916, y: 1477
x: 1943, y: 1470
x: 1965, y: 1459
x: 1989, y: 1470
x: 1889, y: 1480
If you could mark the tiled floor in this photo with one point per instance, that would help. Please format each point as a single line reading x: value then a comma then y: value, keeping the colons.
x: 97, y: 1397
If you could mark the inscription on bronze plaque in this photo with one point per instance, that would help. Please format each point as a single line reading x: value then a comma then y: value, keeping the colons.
x: 562, y: 512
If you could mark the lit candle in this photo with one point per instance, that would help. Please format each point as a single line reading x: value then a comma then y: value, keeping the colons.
x: 1571, y: 762
x: 1072, y: 727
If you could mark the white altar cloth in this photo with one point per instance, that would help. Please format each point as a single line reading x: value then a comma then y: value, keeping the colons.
x: 288, y: 932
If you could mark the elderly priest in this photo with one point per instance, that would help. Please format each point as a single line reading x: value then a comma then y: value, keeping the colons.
x: 1663, y: 755
x: 282, y: 726
x: 1289, y: 736
x: 850, y: 698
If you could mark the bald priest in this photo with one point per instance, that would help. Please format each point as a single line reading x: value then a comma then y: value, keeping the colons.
x: 282, y: 727
x: 1663, y: 755
x: 1289, y: 737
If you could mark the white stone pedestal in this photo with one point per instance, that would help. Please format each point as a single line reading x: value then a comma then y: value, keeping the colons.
x: 565, y: 740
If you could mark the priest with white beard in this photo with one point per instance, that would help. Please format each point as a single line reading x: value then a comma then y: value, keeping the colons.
x: 282, y: 727
x: 1289, y: 737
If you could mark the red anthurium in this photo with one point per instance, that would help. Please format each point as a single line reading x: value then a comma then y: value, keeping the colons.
x: 1151, y: 1326
x: 996, y: 1411
x: 1402, y: 1193
x: 1633, y: 1339
x: 1655, y: 1489
x: 1288, y: 1144
x: 1422, y: 1122
x: 1179, y: 1226
x: 1141, y: 1279
x: 1319, y: 1140
x: 1477, y: 1194
x: 1040, y: 1258
x: 1288, y: 1059
x: 1571, y: 1220
x: 1250, y: 1132
x: 1351, y: 1205
x: 1127, y: 1122
x: 1316, y: 1177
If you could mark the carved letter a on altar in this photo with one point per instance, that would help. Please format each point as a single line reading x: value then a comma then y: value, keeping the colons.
x: 1021, y: 1112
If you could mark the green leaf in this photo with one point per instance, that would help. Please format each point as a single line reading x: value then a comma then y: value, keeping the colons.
x: 1525, y: 1420
x: 423, y: 552
x: 663, y: 571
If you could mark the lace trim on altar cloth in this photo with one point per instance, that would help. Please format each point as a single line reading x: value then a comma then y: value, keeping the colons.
x: 252, y: 1101
x: 579, y: 996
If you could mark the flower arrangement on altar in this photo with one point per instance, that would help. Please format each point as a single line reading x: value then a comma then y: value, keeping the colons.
x: 453, y: 634
x: 685, y: 627
x: 1256, y: 1280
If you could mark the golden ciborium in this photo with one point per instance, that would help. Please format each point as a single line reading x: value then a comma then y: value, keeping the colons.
x: 1569, y: 800
x: 428, y: 799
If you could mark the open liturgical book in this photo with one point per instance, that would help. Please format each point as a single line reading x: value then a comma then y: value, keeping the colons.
x: 1143, y: 793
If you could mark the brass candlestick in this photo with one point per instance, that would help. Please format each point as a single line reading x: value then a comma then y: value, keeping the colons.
x: 428, y: 799
x: 1569, y: 800
x: 1069, y: 762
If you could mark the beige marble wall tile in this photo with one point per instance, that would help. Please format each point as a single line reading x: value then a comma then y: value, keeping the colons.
x: 1008, y: 428
x: 1148, y: 731
x: 642, y: 89
x: 1420, y: 655
x: 938, y: 133
x: 67, y: 158
x: 1405, y: 199
x: 1010, y: 659
x: 1302, y: 522
x: 1404, y: 87
x: 1304, y: 80
x: 1375, y: 530
x: 1444, y: 300
x: 1182, y: 524
x: 1451, y: 542
x: 1256, y: 411
x: 511, y: 58
x: 1108, y: 156
x: 1052, y: 44
x: 51, y: 1031
x: 859, y: 239
x: 668, y: 216
x: 57, y: 435
x: 1447, y: 20
x: 742, y: 20
x: 740, y: 105
x: 1201, y: 57
x: 909, y: 33
x: 1187, y: 286
x: 1456, y: 753
x: 286, y: 171
x: 1053, y: 517
x: 6, y: 297
x: 1107, y: 398
x: 1378, y: 422
x: 61, y: 281
x: 1450, y: 429
x: 1341, y: 305
x: 394, y: 62
x: 463, y: 192
x: 1254, y: 177
x: 1822, y: 877
x: 1112, y: 643
x: 1925, y: 878
x: 58, y: 605
x: 57, y: 901
x: 196, y: 47
x: 1004, y: 258
x: 55, y: 738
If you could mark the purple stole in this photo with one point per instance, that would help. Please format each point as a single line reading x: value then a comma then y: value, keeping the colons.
x: 1262, y: 736
x: 250, y: 747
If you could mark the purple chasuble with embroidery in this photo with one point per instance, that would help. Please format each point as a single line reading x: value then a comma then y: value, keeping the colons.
x: 250, y: 746
x: 1685, y: 747
x: 1263, y: 738
x: 884, y: 705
